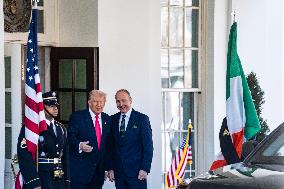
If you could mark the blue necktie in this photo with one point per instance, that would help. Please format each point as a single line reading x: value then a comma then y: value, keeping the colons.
x: 122, y: 126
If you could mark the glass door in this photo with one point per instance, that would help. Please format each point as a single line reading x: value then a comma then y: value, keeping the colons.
x: 74, y: 73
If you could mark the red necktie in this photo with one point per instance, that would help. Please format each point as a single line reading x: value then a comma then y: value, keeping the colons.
x: 98, y: 131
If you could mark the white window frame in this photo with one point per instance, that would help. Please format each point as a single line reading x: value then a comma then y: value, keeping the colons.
x: 199, y: 94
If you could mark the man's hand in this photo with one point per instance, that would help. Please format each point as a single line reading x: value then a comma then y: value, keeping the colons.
x: 37, y: 187
x: 142, y: 175
x: 110, y: 175
x: 85, y: 147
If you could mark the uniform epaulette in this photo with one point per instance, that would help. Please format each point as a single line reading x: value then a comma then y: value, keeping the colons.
x: 60, y: 124
x: 32, y: 180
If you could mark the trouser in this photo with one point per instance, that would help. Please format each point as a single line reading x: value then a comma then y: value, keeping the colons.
x: 124, y: 182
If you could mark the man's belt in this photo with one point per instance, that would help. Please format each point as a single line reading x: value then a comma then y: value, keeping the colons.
x: 49, y: 160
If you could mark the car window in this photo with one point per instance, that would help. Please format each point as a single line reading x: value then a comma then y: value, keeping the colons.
x: 276, y: 148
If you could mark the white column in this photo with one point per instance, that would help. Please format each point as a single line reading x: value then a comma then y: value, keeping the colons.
x: 222, y: 20
x: 154, y: 97
x: 128, y: 37
x: 2, y: 99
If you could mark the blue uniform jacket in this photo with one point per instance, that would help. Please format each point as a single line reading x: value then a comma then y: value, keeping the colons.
x: 133, y: 152
x: 49, y: 146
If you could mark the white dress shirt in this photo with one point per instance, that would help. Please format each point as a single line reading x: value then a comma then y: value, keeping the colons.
x: 54, y: 127
x: 93, y: 115
x: 127, y: 116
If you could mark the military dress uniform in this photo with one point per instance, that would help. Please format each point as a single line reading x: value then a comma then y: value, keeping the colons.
x: 51, y: 169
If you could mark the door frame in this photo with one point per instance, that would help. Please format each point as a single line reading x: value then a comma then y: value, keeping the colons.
x: 91, y: 54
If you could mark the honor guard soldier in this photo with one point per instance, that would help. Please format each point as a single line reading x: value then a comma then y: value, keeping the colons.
x: 50, y: 170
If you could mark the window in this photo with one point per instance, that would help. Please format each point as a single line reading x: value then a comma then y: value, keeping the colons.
x: 8, y: 109
x: 74, y: 73
x: 180, y: 73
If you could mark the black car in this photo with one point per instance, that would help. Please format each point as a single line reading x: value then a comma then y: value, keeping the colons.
x: 263, y: 168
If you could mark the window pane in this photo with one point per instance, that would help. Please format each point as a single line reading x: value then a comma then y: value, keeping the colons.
x: 172, y: 117
x: 176, y: 2
x: 65, y: 73
x: 191, y: 27
x: 192, y: 3
x: 187, y: 109
x: 41, y: 65
x: 40, y: 21
x: 8, y: 111
x: 81, y: 74
x: 8, y: 72
x: 80, y: 100
x: 164, y: 27
x: 171, y: 143
x: 40, y: 3
x: 8, y: 142
x: 191, y: 69
x: 165, y: 68
x: 187, y: 174
x: 164, y: 2
x: 176, y: 68
x: 65, y: 101
x: 176, y: 27
x: 164, y: 111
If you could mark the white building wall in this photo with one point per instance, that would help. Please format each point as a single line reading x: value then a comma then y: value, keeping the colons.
x: 221, y: 29
x: 129, y: 36
x: 260, y: 46
x: 2, y: 99
x: 78, y: 23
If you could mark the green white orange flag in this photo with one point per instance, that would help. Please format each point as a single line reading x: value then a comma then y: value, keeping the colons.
x: 242, y: 119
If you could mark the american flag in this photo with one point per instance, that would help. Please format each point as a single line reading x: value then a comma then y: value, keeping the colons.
x: 183, y: 156
x: 34, y: 119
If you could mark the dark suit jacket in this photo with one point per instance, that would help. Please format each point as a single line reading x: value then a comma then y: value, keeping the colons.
x: 49, y: 146
x: 85, y: 166
x: 134, y: 152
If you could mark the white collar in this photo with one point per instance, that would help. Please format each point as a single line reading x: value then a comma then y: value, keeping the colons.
x: 93, y: 115
x: 48, y: 122
x: 127, y: 114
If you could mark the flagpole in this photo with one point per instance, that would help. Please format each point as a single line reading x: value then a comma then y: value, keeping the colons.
x: 35, y: 7
x: 190, y: 173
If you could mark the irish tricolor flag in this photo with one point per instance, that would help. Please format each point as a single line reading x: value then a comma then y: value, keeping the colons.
x: 242, y: 119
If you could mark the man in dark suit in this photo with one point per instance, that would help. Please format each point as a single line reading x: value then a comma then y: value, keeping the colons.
x: 88, y: 134
x: 51, y: 171
x: 132, y: 146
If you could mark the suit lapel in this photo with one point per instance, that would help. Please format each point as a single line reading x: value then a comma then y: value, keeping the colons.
x: 130, y: 122
x: 58, y: 132
x: 50, y: 129
x: 116, y: 126
x: 104, y: 129
x: 90, y: 127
